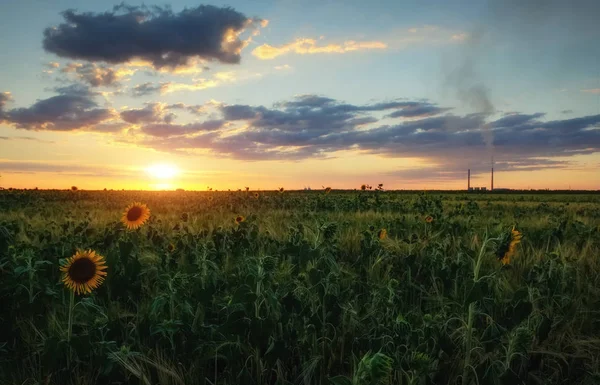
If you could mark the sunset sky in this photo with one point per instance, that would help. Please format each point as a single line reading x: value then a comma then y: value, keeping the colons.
x: 273, y: 93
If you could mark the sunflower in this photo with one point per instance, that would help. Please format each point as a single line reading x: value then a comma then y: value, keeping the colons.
x: 135, y: 215
x: 363, y: 187
x: 210, y: 199
x: 84, y: 271
x: 184, y: 217
x: 382, y: 234
x: 429, y: 219
x: 280, y: 189
x: 170, y: 247
x: 256, y: 195
x: 239, y: 219
x: 508, y: 246
x: 327, y: 190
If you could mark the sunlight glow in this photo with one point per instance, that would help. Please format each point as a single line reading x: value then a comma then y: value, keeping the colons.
x: 162, y: 171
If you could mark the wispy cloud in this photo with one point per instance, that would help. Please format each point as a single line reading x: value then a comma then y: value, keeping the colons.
x: 96, y: 75
x: 312, y: 46
x: 592, y: 90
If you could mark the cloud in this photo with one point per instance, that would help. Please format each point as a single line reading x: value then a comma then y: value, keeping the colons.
x: 72, y: 109
x: 29, y: 166
x: 310, y: 46
x: 566, y: 112
x: 592, y: 90
x: 283, y: 67
x: 5, y: 97
x: 155, y: 34
x: 97, y: 75
x: 314, y: 126
x: 145, y: 89
x: 162, y: 88
x: 30, y: 138
x: 193, y: 109
x: 418, y: 110
x: 151, y: 113
x: 167, y: 130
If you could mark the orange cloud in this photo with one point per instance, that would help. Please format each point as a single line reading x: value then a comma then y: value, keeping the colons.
x: 310, y: 46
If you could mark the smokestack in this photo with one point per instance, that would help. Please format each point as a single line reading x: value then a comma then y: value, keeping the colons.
x: 469, y: 180
x: 492, y: 187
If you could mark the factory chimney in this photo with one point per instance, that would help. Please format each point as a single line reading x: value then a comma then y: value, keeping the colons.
x: 469, y: 180
x: 492, y: 187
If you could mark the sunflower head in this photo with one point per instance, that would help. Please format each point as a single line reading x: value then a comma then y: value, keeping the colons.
x: 74, y: 188
x: 135, y: 215
x: 84, y: 271
x: 371, y: 228
x: 280, y: 189
x: 382, y: 234
x: 247, y: 188
x: 239, y: 219
x: 507, y: 246
x: 363, y: 187
x: 429, y: 219
x: 170, y: 247
x: 184, y: 217
x: 256, y: 195
x: 210, y: 198
x: 327, y: 190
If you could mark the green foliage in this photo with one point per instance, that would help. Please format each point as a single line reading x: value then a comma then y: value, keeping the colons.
x: 303, y: 291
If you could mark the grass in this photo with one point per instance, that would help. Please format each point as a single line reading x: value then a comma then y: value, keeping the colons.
x: 303, y: 291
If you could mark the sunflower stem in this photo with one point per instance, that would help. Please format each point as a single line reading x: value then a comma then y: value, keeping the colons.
x: 70, y: 322
x: 70, y: 325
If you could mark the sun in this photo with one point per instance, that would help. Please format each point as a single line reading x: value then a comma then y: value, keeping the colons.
x: 162, y: 171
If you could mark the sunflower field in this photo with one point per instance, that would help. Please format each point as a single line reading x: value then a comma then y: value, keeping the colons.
x: 287, y: 287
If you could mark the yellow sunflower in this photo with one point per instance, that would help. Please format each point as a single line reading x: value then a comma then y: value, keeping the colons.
x: 210, y: 199
x: 382, y: 234
x: 363, y: 187
x: 84, y: 271
x: 256, y: 195
x: 280, y: 189
x: 135, y: 215
x: 508, y: 246
x: 239, y: 219
x: 170, y: 247
x: 429, y: 219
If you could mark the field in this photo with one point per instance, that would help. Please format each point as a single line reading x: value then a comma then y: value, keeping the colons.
x: 307, y: 289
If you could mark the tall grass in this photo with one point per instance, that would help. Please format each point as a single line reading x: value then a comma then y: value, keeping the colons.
x: 303, y: 291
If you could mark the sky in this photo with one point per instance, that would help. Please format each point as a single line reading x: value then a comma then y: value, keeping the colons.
x: 282, y: 93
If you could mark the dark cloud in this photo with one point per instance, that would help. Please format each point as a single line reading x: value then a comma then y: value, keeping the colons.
x: 154, y: 34
x: 318, y: 127
x: 566, y: 112
x: 418, y: 110
x: 151, y: 113
x: 167, y: 130
x: 73, y: 109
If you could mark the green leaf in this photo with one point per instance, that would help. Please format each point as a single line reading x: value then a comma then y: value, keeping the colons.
x: 340, y: 380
